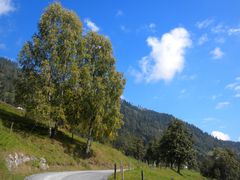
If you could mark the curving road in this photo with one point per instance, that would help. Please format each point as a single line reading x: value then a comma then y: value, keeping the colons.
x: 72, y: 175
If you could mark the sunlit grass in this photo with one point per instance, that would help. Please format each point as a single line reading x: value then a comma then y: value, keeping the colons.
x: 159, y: 173
x: 61, y: 153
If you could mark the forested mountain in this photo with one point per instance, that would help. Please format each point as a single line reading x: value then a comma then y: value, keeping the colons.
x: 140, y: 123
x: 8, y: 77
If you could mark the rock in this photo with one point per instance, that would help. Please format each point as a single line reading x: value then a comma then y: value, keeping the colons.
x: 20, y: 108
x: 16, y: 159
x: 43, y: 164
x: 10, y: 162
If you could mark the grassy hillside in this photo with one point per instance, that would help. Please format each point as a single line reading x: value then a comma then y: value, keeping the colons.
x: 157, y: 173
x: 60, y: 153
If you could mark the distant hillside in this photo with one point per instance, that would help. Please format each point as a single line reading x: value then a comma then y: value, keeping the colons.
x: 8, y: 77
x: 148, y: 124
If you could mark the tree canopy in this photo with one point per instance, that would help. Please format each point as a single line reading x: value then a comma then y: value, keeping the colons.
x: 176, y: 145
x: 221, y: 164
x: 70, y: 77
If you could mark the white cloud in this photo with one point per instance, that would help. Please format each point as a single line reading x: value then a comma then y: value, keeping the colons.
x: 220, y: 40
x: 235, y: 87
x: 234, y: 31
x: 204, y: 24
x: 215, y: 96
x: 237, y: 78
x: 220, y: 135
x: 119, y: 13
x: 210, y: 119
x: 152, y: 27
x: 124, y: 29
x: 183, y: 91
x: 237, y: 95
x: 167, y: 56
x: 203, y: 39
x: 222, y: 105
x: 6, y: 6
x: 232, y: 85
x: 2, y: 46
x: 91, y: 25
x: 217, y: 53
x: 188, y: 77
x: 219, y: 29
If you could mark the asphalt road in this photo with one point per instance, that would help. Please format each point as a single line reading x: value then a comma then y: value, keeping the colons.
x: 72, y: 175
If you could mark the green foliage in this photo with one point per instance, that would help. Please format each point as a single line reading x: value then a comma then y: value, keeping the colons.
x: 151, y: 155
x: 134, y: 147
x: 176, y: 145
x: 222, y: 164
x: 101, y: 90
x: 47, y: 62
x: 67, y: 77
x: 160, y: 173
x: 8, y: 78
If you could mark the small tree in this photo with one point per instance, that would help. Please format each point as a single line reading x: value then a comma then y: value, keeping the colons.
x: 222, y: 164
x: 176, y: 145
x: 151, y: 155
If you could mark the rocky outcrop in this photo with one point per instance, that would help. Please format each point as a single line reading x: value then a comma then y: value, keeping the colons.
x: 43, y: 164
x: 14, y: 160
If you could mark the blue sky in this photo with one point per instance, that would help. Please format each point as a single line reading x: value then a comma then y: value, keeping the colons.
x: 179, y: 57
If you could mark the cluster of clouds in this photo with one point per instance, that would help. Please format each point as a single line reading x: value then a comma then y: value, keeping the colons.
x: 6, y: 6
x: 167, y: 56
x: 217, y: 28
x: 220, y: 30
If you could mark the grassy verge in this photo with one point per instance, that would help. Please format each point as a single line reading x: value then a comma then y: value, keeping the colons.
x: 61, y: 153
x: 159, y: 173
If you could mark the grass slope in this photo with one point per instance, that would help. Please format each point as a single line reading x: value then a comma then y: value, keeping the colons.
x: 159, y: 173
x: 60, y: 153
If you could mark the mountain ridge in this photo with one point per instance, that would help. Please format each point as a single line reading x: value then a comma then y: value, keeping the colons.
x: 149, y: 124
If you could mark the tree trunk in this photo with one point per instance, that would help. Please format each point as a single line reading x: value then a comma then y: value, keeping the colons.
x: 53, y: 130
x: 72, y: 136
x: 89, y: 140
x: 50, y: 132
x: 178, y: 166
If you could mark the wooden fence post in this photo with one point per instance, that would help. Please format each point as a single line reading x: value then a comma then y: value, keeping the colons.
x: 122, y: 173
x: 11, y: 126
x: 115, y: 171
x: 142, y: 176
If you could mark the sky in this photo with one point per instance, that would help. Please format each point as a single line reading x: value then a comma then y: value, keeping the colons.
x: 178, y: 57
